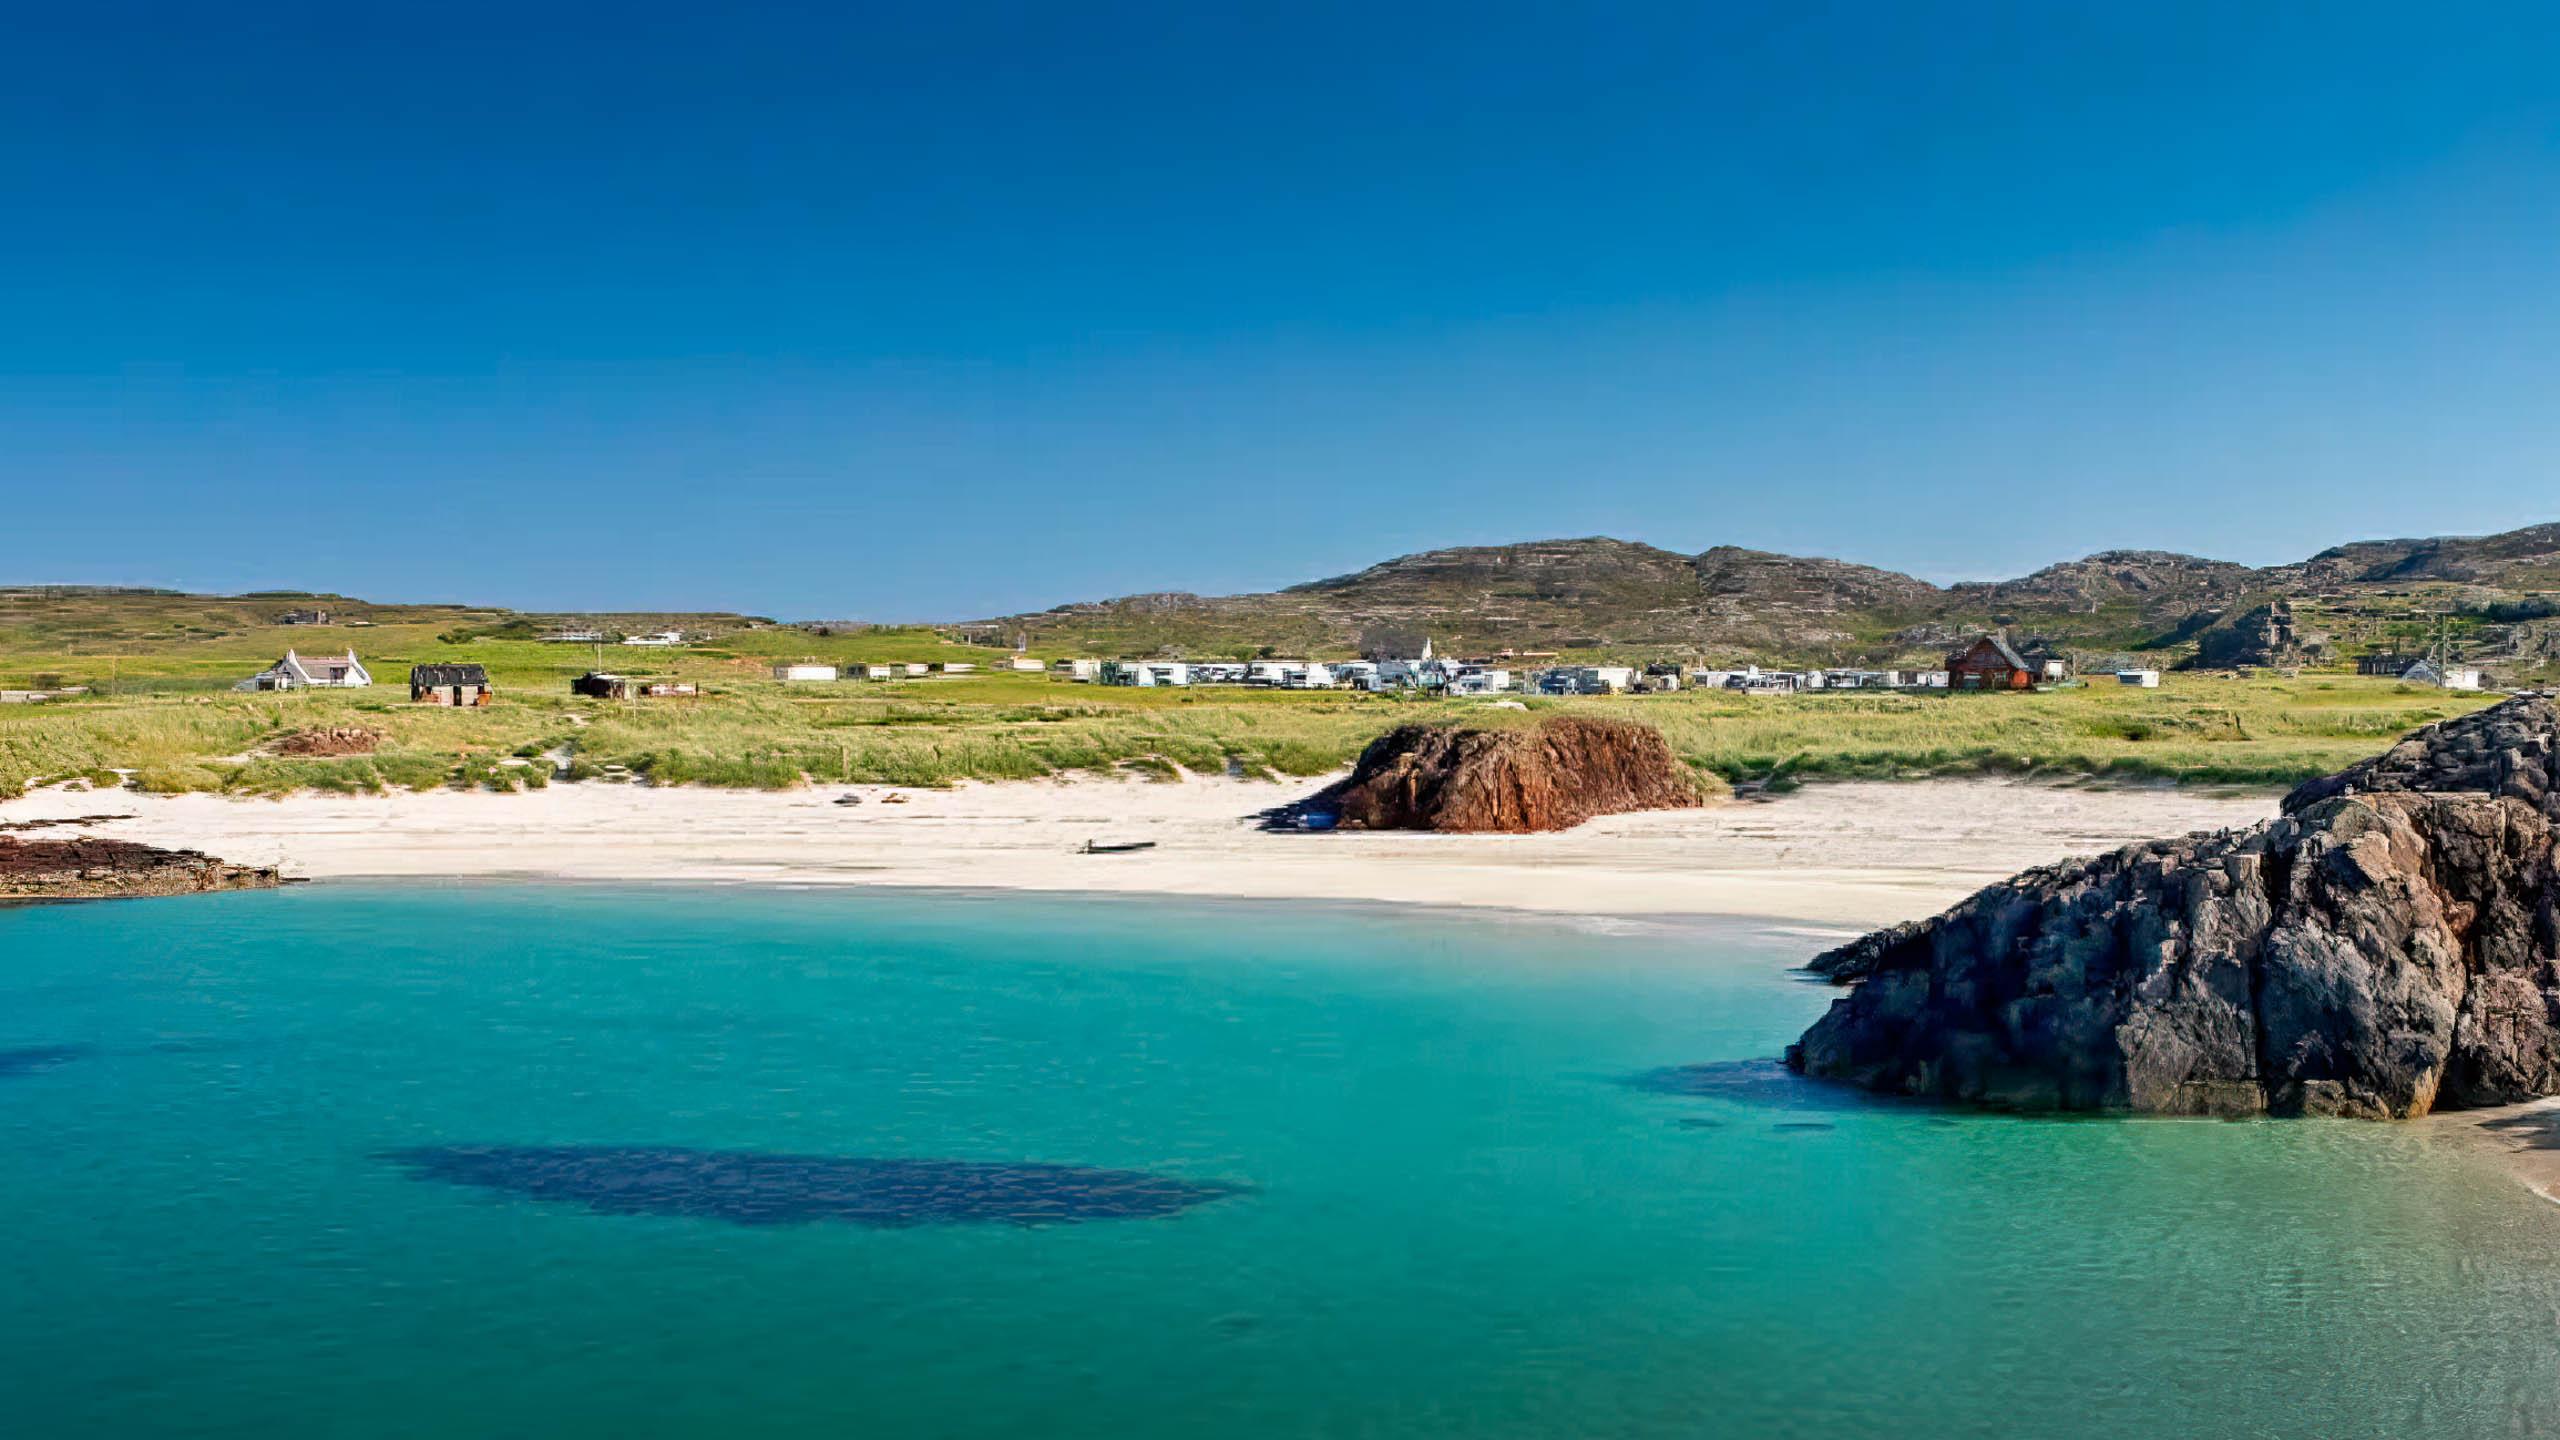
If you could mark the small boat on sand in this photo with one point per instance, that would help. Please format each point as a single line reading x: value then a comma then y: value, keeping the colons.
x: 1097, y: 847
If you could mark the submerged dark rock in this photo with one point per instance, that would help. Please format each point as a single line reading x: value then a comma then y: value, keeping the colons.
x: 29, y: 1059
x: 2389, y: 945
x: 745, y: 1187
x: 1766, y: 1083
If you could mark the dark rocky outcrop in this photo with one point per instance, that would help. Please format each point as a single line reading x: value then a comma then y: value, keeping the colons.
x: 1550, y: 776
x: 2389, y: 945
x: 92, y: 869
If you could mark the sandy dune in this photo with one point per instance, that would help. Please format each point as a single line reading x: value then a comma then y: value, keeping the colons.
x: 1848, y: 855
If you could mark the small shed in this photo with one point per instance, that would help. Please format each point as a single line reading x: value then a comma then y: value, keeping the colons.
x: 457, y: 685
x: 2046, y: 659
x: 2144, y: 679
x: 597, y: 685
x: 1989, y: 664
x: 804, y: 672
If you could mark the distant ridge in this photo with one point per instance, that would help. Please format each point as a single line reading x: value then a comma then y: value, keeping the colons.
x: 1602, y: 593
x: 2495, y: 597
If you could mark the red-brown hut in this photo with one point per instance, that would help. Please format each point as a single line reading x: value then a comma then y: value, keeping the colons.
x: 1989, y: 664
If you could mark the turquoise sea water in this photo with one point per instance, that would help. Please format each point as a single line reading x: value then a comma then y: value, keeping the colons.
x: 1443, y: 1191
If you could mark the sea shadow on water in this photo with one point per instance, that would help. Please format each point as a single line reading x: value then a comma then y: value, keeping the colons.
x: 747, y: 1187
x: 1765, y: 1083
x: 32, y: 1059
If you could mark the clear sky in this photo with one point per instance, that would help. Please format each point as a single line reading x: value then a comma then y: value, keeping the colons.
x: 953, y: 309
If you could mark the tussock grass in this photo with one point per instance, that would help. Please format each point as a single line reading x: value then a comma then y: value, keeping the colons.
x: 756, y: 733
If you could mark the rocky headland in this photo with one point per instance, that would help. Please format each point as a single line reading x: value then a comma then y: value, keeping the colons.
x: 2389, y: 945
x: 1515, y: 780
x: 87, y: 868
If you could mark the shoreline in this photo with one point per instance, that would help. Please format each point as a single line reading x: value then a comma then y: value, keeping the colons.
x: 1823, y: 864
x: 1843, y: 857
x: 2524, y: 1140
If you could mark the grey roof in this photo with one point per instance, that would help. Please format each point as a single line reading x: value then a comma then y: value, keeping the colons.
x: 440, y: 675
x: 2001, y: 644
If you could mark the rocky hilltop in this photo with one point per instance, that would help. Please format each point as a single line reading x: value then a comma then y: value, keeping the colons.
x: 84, y: 868
x: 1550, y: 776
x: 2388, y: 946
x: 1732, y: 604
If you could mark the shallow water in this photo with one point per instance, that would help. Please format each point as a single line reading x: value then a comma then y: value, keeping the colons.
x: 567, y: 1162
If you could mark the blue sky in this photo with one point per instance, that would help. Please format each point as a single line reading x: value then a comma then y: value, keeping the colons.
x: 955, y: 309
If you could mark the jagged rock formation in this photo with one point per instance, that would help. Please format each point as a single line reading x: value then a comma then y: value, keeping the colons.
x: 1551, y: 776
x: 92, y: 869
x: 2388, y: 946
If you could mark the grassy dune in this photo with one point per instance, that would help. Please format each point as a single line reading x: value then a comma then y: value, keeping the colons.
x: 168, y: 731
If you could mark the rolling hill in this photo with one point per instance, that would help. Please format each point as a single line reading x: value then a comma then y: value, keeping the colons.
x: 2498, y: 596
x: 1601, y: 594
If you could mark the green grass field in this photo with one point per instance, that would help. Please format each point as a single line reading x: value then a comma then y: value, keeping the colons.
x: 168, y: 729
x: 162, y: 715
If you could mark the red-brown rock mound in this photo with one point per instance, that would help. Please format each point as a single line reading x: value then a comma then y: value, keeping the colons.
x: 1549, y: 776
x: 333, y: 740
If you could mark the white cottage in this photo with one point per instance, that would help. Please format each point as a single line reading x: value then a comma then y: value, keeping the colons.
x: 320, y: 672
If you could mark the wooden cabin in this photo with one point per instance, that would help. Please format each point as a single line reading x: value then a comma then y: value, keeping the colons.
x: 1989, y: 664
x: 458, y: 685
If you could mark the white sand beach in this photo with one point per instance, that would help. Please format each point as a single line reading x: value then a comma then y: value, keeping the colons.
x: 2524, y: 1138
x: 1845, y: 856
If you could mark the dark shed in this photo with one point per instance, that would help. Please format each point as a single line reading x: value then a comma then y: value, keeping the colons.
x: 449, y: 684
